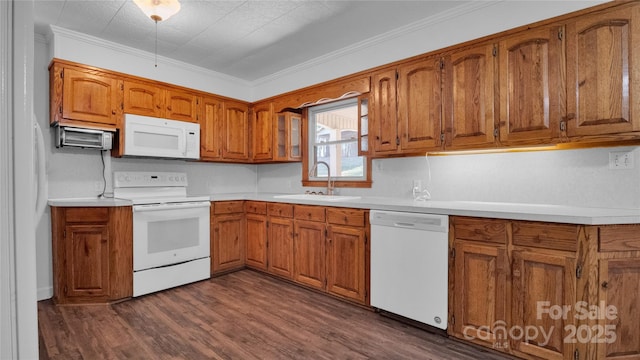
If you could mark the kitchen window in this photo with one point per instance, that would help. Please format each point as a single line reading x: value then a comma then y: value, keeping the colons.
x: 333, y: 139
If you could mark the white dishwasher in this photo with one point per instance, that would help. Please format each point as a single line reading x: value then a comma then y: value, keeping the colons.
x: 409, y: 265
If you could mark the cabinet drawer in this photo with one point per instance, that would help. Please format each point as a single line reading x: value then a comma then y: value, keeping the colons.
x: 351, y: 217
x: 255, y: 207
x: 548, y: 236
x: 487, y: 230
x: 228, y: 207
x: 88, y: 215
x: 313, y: 213
x: 280, y: 210
x: 619, y: 238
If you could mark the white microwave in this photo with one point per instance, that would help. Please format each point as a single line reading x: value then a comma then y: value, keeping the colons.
x: 156, y: 137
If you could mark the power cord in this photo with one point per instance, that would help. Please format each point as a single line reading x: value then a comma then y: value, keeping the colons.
x: 104, y: 195
x: 424, y: 194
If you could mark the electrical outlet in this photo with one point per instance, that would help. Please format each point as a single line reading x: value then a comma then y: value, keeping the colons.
x: 619, y: 160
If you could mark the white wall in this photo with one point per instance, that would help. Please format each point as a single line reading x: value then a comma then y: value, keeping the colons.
x: 566, y: 177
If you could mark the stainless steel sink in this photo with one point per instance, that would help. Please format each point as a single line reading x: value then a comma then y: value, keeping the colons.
x: 317, y: 197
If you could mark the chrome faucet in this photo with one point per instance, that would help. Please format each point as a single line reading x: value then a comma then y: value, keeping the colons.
x: 329, y: 185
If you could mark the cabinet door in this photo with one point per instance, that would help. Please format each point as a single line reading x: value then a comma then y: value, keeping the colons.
x: 262, y: 132
x: 541, y: 281
x: 256, y: 241
x: 228, y: 245
x: 281, y: 247
x: 480, y: 293
x: 619, y: 287
x: 143, y: 99
x: 87, y: 261
x: 295, y: 137
x: 469, y: 115
x: 345, y: 262
x: 383, y: 126
x: 211, y: 129
x: 309, y: 253
x: 532, y: 86
x: 420, y: 105
x: 235, y: 131
x: 288, y: 137
x: 363, y: 125
x: 181, y: 106
x: 90, y: 97
x: 603, y: 76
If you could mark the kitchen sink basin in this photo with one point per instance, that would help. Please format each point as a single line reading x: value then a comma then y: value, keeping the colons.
x: 317, y: 197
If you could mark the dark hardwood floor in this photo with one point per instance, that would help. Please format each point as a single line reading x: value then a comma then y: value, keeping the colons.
x: 242, y: 315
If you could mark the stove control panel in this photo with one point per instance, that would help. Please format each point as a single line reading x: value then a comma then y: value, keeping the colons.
x: 122, y: 179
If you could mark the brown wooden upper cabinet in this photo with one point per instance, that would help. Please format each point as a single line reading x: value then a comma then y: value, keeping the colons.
x: 469, y: 115
x: 262, y: 132
x: 406, y: 108
x: 235, y: 131
x: 224, y: 130
x: 532, y: 86
x: 603, y: 80
x: 181, y: 105
x: 275, y: 137
x: 150, y: 99
x: 84, y: 96
x: 143, y: 98
x: 288, y: 137
x: 211, y: 124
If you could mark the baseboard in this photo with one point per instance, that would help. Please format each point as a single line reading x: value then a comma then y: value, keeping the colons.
x: 45, y: 293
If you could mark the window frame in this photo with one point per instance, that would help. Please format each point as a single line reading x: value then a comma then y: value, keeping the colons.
x: 364, y: 182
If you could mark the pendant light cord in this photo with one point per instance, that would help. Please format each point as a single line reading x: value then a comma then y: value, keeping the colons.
x: 156, y: 49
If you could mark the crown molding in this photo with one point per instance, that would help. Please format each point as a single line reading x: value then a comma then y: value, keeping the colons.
x: 40, y: 38
x: 127, y: 50
x: 379, y: 39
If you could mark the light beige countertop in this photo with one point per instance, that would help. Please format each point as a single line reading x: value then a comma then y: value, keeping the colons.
x: 497, y: 210
x: 88, y: 202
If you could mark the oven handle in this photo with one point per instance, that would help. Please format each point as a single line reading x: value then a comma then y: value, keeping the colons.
x: 171, y: 206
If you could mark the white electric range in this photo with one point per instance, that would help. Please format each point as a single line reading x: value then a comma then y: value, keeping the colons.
x: 171, y: 245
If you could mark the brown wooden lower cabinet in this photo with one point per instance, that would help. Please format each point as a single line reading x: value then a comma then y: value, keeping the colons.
x: 309, y: 253
x: 228, y: 238
x: 280, y: 252
x: 541, y: 281
x: 346, y: 262
x: 92, y: 254
x: 543, y: 291
x: 256, y: 250
x: 618, y: 286
x: 324, y: 248
x: 480, y: 292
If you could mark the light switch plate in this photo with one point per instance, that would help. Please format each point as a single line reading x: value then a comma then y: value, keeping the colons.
x: 620, y: 160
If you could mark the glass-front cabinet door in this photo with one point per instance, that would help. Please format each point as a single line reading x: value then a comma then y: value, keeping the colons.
x: 363, y: 125
x: 288, y: 137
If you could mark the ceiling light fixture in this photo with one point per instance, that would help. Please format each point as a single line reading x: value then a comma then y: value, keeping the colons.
x: 158, y: 10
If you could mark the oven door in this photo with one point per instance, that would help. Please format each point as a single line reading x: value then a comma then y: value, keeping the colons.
x: 166, y: 234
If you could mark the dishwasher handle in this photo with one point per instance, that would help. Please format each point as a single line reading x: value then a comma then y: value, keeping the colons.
x: 404, y: 225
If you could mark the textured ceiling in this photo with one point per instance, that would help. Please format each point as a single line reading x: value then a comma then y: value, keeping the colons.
x: 244, y: 39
